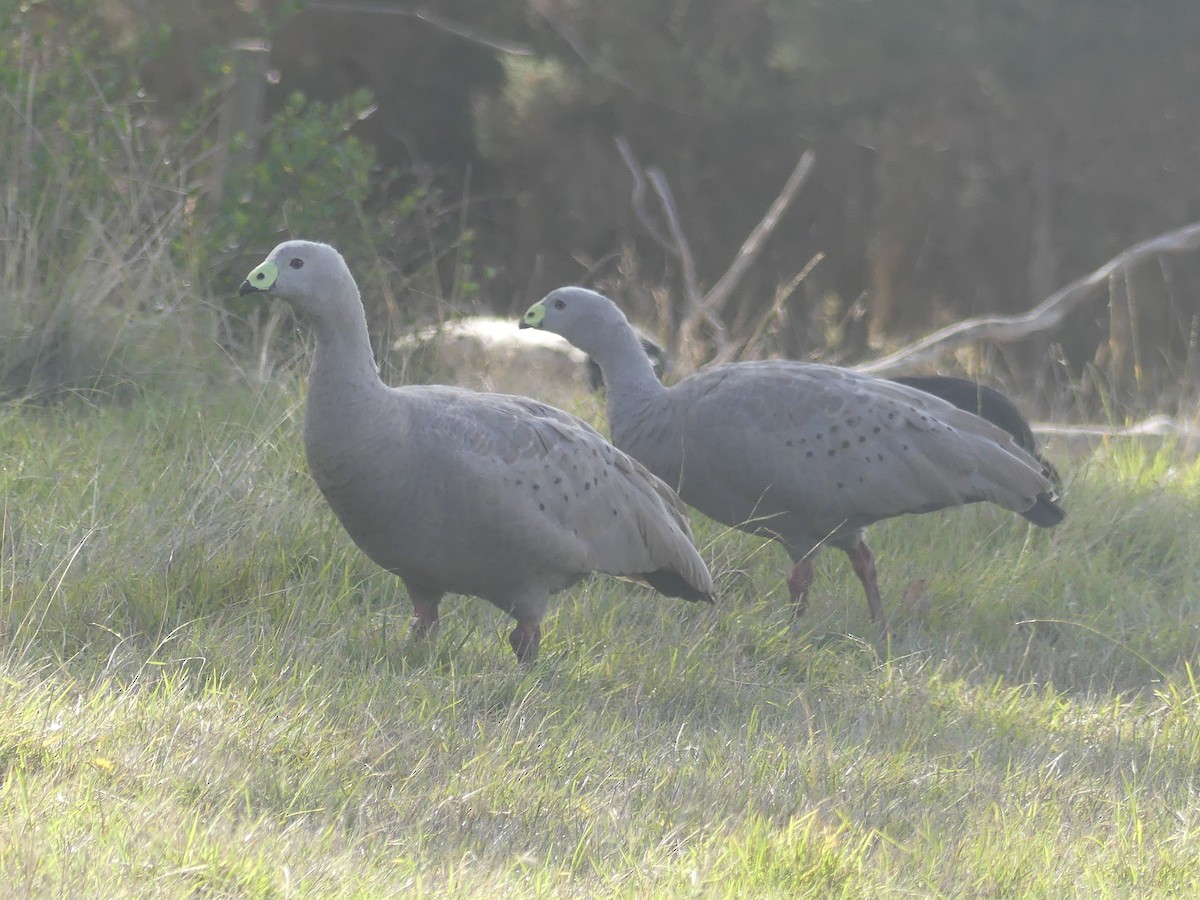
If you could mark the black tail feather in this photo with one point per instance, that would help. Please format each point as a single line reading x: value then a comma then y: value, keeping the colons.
x: 1046, y: 513
x: 672, y: 585
x: 987, y: 403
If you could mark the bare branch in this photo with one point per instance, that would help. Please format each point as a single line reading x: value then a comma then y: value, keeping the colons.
x: 1046, y: 315
x: 720, y: 293
x: 597, y: 65
x: 696, y: 312
x: 676, y: 245
x: 707, y: 308
x: 782, y: 294
x: 638, y: 197
x: 458, y: 29
x: 682, y: 250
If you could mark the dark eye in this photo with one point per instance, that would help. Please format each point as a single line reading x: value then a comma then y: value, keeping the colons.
x: 296, y: 263
x: 560, y: 304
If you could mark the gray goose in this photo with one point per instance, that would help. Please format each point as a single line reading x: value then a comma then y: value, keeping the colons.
x: 802, y: 453
x: 454, y: 491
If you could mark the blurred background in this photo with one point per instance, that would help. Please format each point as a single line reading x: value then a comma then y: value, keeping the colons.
x: 971, y: 157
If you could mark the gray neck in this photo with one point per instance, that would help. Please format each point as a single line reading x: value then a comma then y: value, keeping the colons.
x: 344, y: 363
x: 633, y: 389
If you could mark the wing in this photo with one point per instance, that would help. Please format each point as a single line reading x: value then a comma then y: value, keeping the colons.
x: 574, y: 495
x: 842, y: 446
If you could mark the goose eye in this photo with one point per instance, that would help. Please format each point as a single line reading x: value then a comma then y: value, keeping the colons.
x: 297, y: 263
x: 560, y: 304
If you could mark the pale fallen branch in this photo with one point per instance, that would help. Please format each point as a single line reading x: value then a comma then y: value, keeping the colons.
x: 1046, y: 315
x: 1155, y: 426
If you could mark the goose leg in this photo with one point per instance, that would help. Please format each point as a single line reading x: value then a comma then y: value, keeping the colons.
x: 799, y: 580
x: 863, y: 562
x: 525, y: 639
x: 425, y: 613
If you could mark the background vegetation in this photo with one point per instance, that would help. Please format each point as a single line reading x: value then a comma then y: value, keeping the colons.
x: 205, y: 690
x: 971, y: 157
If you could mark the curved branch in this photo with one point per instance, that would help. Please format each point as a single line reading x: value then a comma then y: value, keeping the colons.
x: 458, y: 29
x: 638, y: 195
x: 1046, y: 315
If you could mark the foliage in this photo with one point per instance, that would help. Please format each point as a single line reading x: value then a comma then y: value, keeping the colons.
x: 93, y: 297
x: 111, y: 236
x: 972, y: 156
x: 310, y: 177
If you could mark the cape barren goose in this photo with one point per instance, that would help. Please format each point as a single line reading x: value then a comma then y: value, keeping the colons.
x: 492, y: 495
x: 987, y: 403
x: 805, y: 454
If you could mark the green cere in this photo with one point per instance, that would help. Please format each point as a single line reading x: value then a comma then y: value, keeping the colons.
x: 261, y: 279
x: 533, y: 316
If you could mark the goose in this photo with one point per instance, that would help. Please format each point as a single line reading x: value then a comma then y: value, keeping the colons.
x: 987, y: 403
x: 803, y: 453
x: 981, y: 399
x: 456, y: 491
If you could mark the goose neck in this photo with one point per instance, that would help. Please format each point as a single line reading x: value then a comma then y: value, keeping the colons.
x: 344, y: 357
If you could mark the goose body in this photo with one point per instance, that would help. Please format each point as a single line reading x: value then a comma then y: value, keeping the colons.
x: 803, y: 453
x: 456, y: 491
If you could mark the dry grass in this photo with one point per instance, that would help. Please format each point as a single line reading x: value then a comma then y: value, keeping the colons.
x: 207, y: 690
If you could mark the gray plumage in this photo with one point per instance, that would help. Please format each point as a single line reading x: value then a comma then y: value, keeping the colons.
x: 455, y: 491
x: 806, y: 454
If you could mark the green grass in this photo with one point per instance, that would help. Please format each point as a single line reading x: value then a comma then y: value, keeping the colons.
x: 205, y: 690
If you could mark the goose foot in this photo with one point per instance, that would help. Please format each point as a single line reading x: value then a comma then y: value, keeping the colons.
x: 425, y: 618
x: 525, y: 639
x: 863, y: 562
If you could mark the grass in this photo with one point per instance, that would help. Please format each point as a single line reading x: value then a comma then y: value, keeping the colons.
x: 205, y: 690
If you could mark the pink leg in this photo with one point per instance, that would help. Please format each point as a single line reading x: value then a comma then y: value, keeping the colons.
x: 863, y: 562
x: 799, y: 580
x: 525, y: 639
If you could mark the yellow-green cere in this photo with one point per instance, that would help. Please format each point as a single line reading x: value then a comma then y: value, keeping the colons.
x: 534, y: 315
x: 263, y: 277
